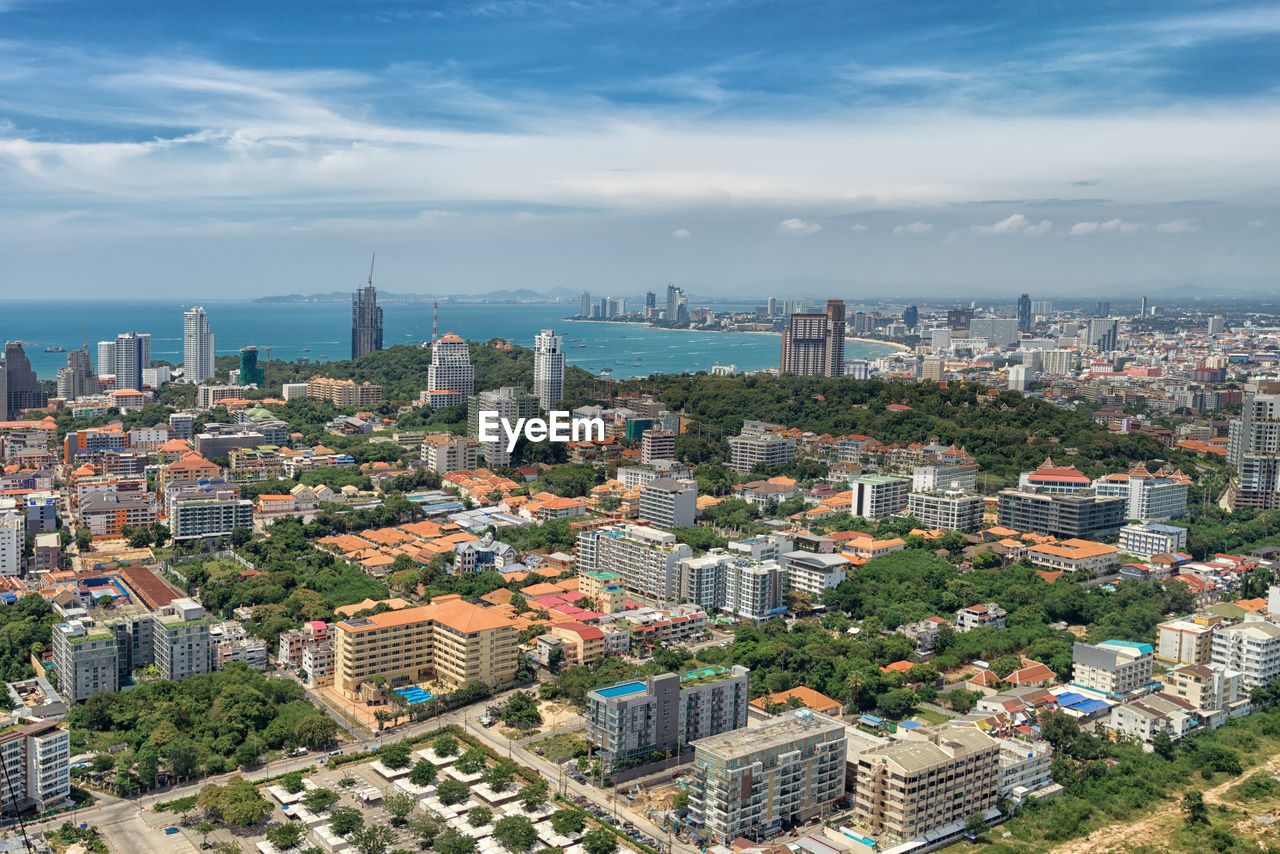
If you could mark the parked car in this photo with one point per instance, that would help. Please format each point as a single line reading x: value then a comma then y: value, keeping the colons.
x: 170, y: 831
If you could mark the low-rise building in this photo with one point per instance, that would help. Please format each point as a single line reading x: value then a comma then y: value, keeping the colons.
x: 1115, y: 668
x: 1074, y: 556
x: 1186, y: 641
x: 1251, y: 648
x: 1024, y: 768
x: 343, y: 392
x: 812, y: 573
x: 988, y: 616
x: 444, y: 452
x: 1147, y: 541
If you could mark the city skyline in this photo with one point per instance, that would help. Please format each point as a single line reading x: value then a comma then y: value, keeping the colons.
x: 948, y: 148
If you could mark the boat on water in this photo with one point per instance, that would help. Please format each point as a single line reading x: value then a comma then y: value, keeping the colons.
x: 606, y: 370
x: 55, y: 349
x: 576, y: 346
x: 305, y: 350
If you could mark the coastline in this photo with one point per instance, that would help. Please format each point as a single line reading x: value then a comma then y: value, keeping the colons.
x: 891, y: 344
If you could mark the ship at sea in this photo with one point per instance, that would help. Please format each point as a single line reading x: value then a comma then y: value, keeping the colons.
x: 55, y: 349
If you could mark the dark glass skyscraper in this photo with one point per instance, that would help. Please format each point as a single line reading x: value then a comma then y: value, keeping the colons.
x: 366, y: 322
x: 19, y: 387
x: 1024, y: 313
x: 911, y: 316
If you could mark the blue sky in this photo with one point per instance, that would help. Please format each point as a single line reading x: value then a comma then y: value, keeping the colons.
x: 852, y: 148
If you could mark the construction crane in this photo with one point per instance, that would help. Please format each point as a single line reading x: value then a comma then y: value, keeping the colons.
x: 266, y: 368
x: 371, y: 262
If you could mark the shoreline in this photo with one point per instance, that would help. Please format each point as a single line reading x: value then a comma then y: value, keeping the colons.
x: 643, y: 325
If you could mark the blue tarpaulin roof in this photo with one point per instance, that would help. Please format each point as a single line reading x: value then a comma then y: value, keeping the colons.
x: 1071, y: 698
x: 1088, y: 707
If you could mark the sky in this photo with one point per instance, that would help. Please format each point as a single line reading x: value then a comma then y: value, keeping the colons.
x: 860, y: 149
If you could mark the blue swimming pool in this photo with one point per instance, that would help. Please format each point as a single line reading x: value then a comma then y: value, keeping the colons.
x: 621, y: 690
x: 415, y: 694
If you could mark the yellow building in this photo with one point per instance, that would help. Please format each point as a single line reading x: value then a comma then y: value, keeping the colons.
x: 604, y: 589
x: 449, y: 641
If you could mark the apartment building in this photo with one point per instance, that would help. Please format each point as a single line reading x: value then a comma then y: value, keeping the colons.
x: 760, y: 443
x: 753, y: 590
x: 1115, y: 668
x: 1251, y: 648
x: 912, y: 787
x: 343, y: 392
x: 1074, y: 556
x: 949, y: 477
x: 812, y: 573
x: 209, y: 396
x: 105, y: 515
x: 180, y: 639
x: 444, y: 452
x: 762, y: 548
x: 988, y: 616
x: 37, y: 768
x: 876, y: 496
x: 790, y: 770
x: 1147, y: 541
x: 450, y: 641
x: 199, y: 515
x: 451, y: 369
x: 666, y: 712
x: 84, y: 657
x: 646, y: 558
x: 1150, y: 497
x: 1080, y: 515
x: 952, y: 510
x: 605, y: 590
x: 657, y: 445
x: 669, y: 503
x: 1186, y: 641
x: 1024, y: 768
x: 510, y: 403
x: 13, y: 532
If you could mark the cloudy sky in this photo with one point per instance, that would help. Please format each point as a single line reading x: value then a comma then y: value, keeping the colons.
x: 746, y: 147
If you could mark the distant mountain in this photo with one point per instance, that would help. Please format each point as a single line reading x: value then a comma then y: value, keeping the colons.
x: 518, y: 295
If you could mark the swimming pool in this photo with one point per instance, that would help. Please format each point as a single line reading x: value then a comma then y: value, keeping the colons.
x: 415, y: 694
x: 621, y: 690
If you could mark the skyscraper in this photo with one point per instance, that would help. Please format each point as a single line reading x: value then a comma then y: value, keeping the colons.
x: 366, y: 321
x: 1103, y: 334
x: 250, y: 373
x: 586, y: 303
x: 1253, y: 449
x: 1024, y: 313
x: 508, y: 402
x: 1142, y: 308
x: 548, y: 369
x: 773, y: 306
x: 650, y: 303
x: 677, y: 305
x: 77, y: 379
x: 19, y: 387
x: 197, y: 346
x: 911, y: 317
x: 451, y: 368
x: 124, y: 358
x: 1102, y: 309
x: 813, y: 344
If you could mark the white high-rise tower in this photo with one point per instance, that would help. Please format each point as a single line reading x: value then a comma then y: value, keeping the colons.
x: 548, y: 369
x: 197, y: 346
x: 451, y: 368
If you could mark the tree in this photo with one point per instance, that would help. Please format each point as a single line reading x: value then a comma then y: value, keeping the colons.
x: 398, y: 806
x: 599, y: 841
x: 184, y: 759
x: 897, y: 703
x: 975, y: 825
x: 567, y: 822
x: 285, y: 836
x: 316, y: 731
x: 319, y: 800
x: 555, y: 657
x: 374, y: 839
x: 292, y: 782
x: 472, y: 761
x: 522, y: 711
x: 533, y: 795
x: 1162, y: 745
x: 345, y: 821
x: 395, y: 756
x: 204, y: 828
x: 240, y: 536
x: 444, y: 745
x: 423, y: 773
x: 1194, y: 810
x: 479, y: 816
x: 680, y: 801
x: 452, y: 792
x: 500, y: 776
x: 453, y: 842
x: 424, y: 828
x: 515, y: 833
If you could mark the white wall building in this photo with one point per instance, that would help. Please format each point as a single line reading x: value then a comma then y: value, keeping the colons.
x: 451, y: 368
x: 548, y: 369
x: 197, y: 346
x: 1251, y: 648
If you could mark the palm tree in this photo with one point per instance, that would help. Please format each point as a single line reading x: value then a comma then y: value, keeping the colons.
x: 381, y: 716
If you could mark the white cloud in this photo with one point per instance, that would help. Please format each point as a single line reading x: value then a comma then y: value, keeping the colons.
x: 1016, y: 224
x: 1120, y: 226
x: 1178, y: 226
x: 1040, y: 229
x: 916, y: 227
x: 857, y: 227
x: 797, y: 227
x: 1256, y: 224
x: 682, y: 234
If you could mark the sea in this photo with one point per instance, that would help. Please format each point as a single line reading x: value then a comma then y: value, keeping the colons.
x: 321, y: 332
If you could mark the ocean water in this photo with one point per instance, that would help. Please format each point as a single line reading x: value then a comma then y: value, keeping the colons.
x: 322, y: 332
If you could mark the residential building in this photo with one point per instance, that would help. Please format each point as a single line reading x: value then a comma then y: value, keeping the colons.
x: 444, y: 452
x: 954, y: 477
x: 1018, y: 378
x: 450, y: 641
x: 209, y: 396
x: 790, y: 770
x: 1074, y: 555
x: 36, y: 759
x: 48, y: 553
x: 20, y: 388
x: 250, y: 374
x: 203, y: 514
x: 657, y: 445
x: 876, y: 496
x: 548, y: 368
x: 1024, y: 768
x: 762, y: 548
x: 702, y: 580
x: 988, y: 616
x: 1081, y: 515
x: 646, y: 558
x: 581, y: 643
x: 666, y: 712
x: 106, y: 514
x: 366, y: 320
x: 950, y: 509
x: 933, y: 368
x: 197, y: 346
x: 1147, y: 541
x: 753, y: 590
x: 451, y: 368
x: 1152, y: 498
x: 1000, y: 332
x: 125, y: 358
x: 84, y: 657
x: 13, y: 538
x: 1115, y: 668
x: 606, y: 590
x: 78, y: 379
x: 344, y: 392
x: 813, y: 574
x: 913, y: 787
x: 1251, y: 648
x: 1055, y: 479
x: 1253, y: 449
x: 1185, y: 641
x: 669, y: 503
x: 760, y: 444
x: 180, y: 639
x: 483, y: 554
x: 1210, y: 688
x: 1024, y: 313
x: 509, y: 403
x: 813, y: 344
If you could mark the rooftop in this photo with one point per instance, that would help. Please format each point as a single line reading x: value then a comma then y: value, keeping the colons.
x: 778, y: 732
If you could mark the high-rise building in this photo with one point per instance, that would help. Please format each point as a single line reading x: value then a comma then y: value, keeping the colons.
x: 958, y: 318
x: 813, y: 344
x: 999, y: 331
x: 1113, y: 667
x: 36, y: 759
x: 1217, y: 325
x: 586, y: 303
x: 77, y: 379
x: 125, y: 358
x: 657, y: 445
x: 1024, y: 313
x: 250, y: 373
x: 13, y: 533
x: 875, y: 496
x: 1041, y: 307
x: 548, y: 368
x: 1103, y: 334
x: 510, y: 403
x: 647, y: 559
x: 366, y: 321
x: 677, y: 305
x: 669, y: 503
x: 1253, y: 449
x: 84, y: 657
x: 197, y: 347
x: 760, y: 444
x: 451, y: 368
x: 933, y: 368
x: 773, y: 306
x: 1018, y: 378
x: 1142, y: 308
x: 911, y: 317
x: 20, y: 388
x: 1082, y: 514
x: 1102, y: 309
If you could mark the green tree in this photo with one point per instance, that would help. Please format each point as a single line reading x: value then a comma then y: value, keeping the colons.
x: 500, y: 776
x: 567, y: 822
x: 599, y: 841
x: 1194, y: 810
x: 423, y: 773
x: 1162, y: 745
x: 975, y: 824
x: 453, y: 842
x: 555, y: 656
x: 424, y: 828
x: 398, y: 806
x: 395, y: 756
x: 533, y: 795
x: 522, y: 711
x: 316, y: 732
x: 452, y: 792
x: 479, y: 816
x: 515, y: 833
x: 374, y: 839
x: 444, y: 745
x: 319, y: 800
x: 344, y: 821
x: 472, y: 761
x: 292, y: 782
x: 285, y: 836
x: 897, y: 704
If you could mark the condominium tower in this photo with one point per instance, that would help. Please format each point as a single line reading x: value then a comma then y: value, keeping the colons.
x: 813, y: 344
x: 366, y: 321
x: 451, y: 369
x: 548, y: 369
x: 197, y: 346
x: 19, y: 387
